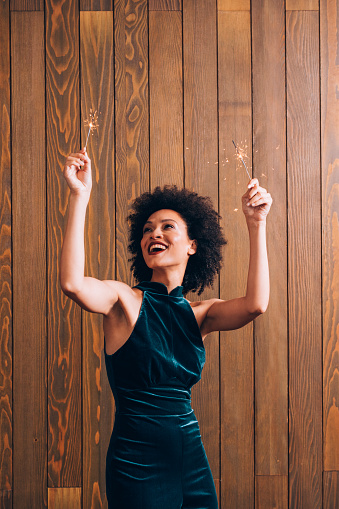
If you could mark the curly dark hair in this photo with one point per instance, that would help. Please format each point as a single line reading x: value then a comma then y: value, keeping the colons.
x: 202, y: 224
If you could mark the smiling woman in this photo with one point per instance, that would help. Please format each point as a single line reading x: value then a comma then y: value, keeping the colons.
x: 154, y: 350
x: 189, y: 211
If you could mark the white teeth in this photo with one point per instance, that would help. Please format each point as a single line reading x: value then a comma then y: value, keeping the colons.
x: 157, y: 246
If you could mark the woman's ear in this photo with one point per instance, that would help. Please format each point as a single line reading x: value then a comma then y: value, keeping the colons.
x: 193, y: 248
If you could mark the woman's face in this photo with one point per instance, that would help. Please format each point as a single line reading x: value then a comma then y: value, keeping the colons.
x: 165, y: 241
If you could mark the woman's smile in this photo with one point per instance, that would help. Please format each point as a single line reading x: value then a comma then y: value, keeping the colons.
x: 165, y: 232
x: 156, y: 247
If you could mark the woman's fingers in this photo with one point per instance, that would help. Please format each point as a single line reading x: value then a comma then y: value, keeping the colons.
x: 77, y: 172
x: 77, y: 159
x: 255, y: 193
x: 74, y: 161
x: 254, y: 190
x: 252, y: 183
x: 259, y: 199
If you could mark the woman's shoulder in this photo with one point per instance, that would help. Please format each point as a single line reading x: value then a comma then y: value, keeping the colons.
x: 125, y: 311
x: 200, y: 308
x: 122, y: 288
x: 202, y: 303
x: 127, y: 295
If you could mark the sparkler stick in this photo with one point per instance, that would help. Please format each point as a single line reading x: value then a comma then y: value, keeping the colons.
x: 240, y: 157
x: 92, y: 122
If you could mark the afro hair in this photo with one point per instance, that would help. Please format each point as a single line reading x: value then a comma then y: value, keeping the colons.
x: 202, y: 225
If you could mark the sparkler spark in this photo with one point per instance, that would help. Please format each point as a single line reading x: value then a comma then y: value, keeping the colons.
x: 92, y: 122
x: 240, y: 156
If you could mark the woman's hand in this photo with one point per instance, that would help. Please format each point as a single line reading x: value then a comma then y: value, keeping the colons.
x: 256, y: 202
x: 77, y: 172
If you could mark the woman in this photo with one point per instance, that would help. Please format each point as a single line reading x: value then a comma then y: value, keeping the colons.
x: 154, y: 337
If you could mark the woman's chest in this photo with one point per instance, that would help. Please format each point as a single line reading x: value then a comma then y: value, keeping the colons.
x: 119, y: 325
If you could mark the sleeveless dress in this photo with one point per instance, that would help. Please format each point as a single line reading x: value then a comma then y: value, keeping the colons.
x: 156, y: 459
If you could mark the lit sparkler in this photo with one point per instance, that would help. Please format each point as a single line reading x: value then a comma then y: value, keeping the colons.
x: 92, y: 122
x: 240, y: 156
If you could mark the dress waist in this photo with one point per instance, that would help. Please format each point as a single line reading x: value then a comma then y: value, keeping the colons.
x: 153, y: 401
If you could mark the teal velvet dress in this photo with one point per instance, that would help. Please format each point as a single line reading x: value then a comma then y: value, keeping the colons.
x: 156, y: 459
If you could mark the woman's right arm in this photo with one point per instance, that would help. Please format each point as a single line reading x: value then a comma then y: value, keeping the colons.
x: 90, y: 293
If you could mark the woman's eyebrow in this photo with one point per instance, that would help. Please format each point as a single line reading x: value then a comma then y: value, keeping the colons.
x: 163, y: 221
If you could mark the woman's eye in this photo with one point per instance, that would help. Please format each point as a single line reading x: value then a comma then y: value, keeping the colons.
x: 147, y: 229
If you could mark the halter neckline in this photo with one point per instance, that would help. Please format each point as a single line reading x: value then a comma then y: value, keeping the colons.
x: 160, y: 288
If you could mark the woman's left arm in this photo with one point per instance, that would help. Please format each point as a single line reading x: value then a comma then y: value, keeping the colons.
x: 256, y: 204
x: 235, y: 313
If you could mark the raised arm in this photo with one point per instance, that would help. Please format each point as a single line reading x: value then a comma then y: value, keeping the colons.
x: 235, y: 313
x: 90, y: 293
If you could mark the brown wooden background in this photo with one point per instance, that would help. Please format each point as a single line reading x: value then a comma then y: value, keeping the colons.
x: 174, y: 82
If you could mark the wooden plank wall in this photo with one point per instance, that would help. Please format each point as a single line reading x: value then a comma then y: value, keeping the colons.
x: 174, y: 81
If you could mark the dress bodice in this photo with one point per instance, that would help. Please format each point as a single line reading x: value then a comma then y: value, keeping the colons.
x: 165, y: 348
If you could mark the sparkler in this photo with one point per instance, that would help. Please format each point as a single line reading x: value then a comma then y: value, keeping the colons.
x: 240, y: 154
x: 92, y: 122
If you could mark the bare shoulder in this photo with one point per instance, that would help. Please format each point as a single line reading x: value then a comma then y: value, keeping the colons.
x: 120, y: 321
x: 200, y: 309
x: 127, y: 296
x: 202, y: 304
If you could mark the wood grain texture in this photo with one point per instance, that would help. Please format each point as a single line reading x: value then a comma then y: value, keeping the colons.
x: 234, y: 5
x: 303, y: 221
x: 6, y: 499
x: 26, y: 5
x: 330, y: 228
x: 302, y: 5
x: 97, y: 83
x: 304, y: 267
x: 165, y: 5
x: 6, y: 349
x: 29, y: 260
x: 201, y: 175
x: 236, y: 347
x: 271, y: 491
x: 64, y: 498
x: 200, y: 98
x: 96, y: 5
x: 269, y: 162
x: 331, y: 490
x: 166, y: 99
x: 131, y: 118
x: 64, y: 327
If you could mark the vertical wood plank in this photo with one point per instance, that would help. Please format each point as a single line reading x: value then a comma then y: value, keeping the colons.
x: 271, y: 491
x: 166, y: 100
x: 236, y: 347
x: 302, y: 5
x: 132, y: 118
x: 304, y: 267
x: 96, y: 5
x: 97, y: 83
x: 165, y: 5
x: 269, y: 162
x: 64, y: 326
x: 200, y: 99
x: 29, y: 260
x: 331, y: 490
x: 6, y: 367
x: 26, y: 5
x: 234, y: 5
x: 6, y: 499
x: 64, y: 498
x: 201, y: 175
x: 330, y: 227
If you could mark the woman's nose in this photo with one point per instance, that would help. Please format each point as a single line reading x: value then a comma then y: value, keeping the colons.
x: 156, y: 233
